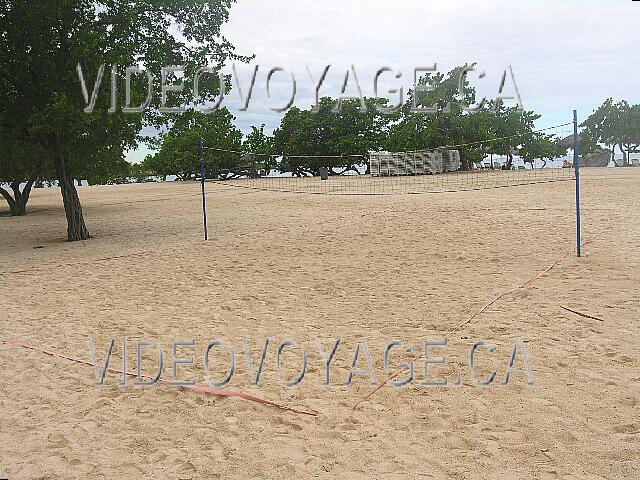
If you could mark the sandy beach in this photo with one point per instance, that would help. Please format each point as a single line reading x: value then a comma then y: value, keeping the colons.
x: 321, y: 267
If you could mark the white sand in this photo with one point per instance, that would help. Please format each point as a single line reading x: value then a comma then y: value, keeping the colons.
x: 304, y: 267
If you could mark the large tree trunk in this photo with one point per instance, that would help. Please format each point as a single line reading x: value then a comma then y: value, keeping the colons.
x: 76, y: 229
x: 18, y: 203
x: 10, y: 200
x: 625, y: 161
x: 466, y: 164
x: 509, y: 163
x: 613, y: 152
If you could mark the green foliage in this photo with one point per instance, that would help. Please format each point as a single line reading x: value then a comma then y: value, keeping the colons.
x: 510, y: 128
x: 539, y: 146
x: 258, y: 149
x: 40, y: 47
x: 326, y: 132
x: 444, y: 126
x: 613, y: 124
x: 139, y: 173
x: 19, y: 160
x: 258, y: 142
x: 179, y: 153
x: 478, y: 133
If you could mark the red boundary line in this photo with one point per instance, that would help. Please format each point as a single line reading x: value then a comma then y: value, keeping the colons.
x: 474, y: 313
x: 220, y: 392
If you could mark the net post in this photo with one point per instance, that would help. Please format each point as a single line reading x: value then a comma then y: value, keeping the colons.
x: 204, y: 198
x: 576, y: 166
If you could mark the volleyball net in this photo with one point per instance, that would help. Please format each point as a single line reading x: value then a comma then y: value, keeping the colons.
x: 435, y: 170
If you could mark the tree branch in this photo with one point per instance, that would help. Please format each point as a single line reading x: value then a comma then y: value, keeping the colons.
x: 7, y: 196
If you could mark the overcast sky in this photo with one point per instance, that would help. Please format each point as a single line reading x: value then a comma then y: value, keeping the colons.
x: 565, y: 54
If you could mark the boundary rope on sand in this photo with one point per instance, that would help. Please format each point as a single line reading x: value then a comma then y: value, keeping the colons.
x: 230, y: 393
x: 40, y: 268
x: 220, y: 392
x: 474, y: 313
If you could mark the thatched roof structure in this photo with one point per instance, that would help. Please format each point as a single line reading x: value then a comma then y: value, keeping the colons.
x: 599, y: 158
x: 567, y: 142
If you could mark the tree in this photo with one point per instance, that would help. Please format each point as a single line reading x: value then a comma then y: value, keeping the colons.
x: 308, y: 140
x: 614, y: 124
x: 474, y: 133
x: 38, y: 58
x: 179, y: 151
x: 139, y: 173
x: 19, y: 164
x: 510, y: 127
x: 446, y: 125
x: 539, y: 147
x: 629, y: 131
x: 258, y: 148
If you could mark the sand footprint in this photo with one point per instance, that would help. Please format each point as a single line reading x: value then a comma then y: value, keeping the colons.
x: 57, y: 440
x: 629, y: 428
x: 289, y: 427
x: 184, y: 466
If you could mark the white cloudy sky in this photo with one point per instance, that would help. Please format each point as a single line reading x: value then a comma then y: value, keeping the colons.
x: 565, y: 54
